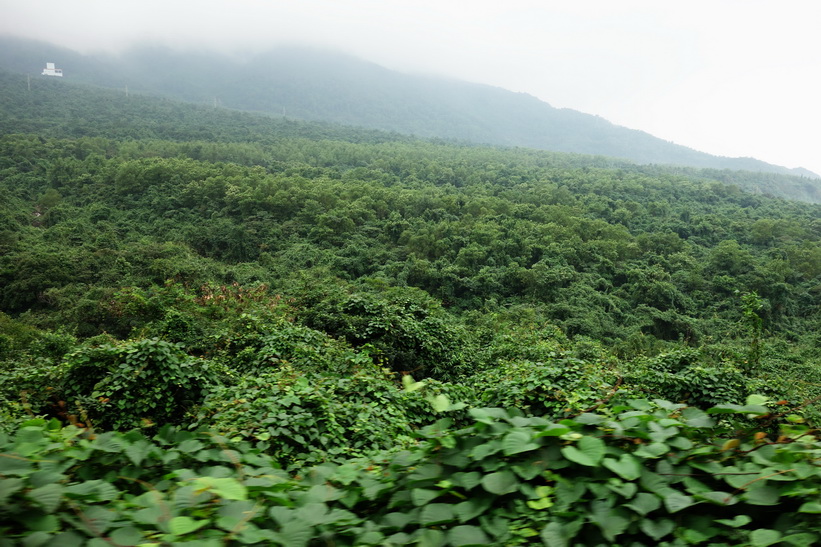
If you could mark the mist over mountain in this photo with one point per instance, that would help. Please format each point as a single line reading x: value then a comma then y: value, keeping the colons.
x: 318, y: 85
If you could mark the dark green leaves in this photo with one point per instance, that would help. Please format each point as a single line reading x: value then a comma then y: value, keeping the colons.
x: 589, y: 451
x: 501, y: 482
x: 627, y: 466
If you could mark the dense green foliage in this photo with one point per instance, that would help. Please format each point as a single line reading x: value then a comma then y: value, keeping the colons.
x: 306, y: 334
x: 306, y: 84
x: 641, y: 474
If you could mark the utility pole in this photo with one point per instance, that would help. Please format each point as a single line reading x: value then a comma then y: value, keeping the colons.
x: 28, y: 78
x: 126, y: 90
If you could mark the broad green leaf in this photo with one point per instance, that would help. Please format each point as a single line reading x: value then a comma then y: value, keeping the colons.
x: 250, y: 534
x: 757, y: 399
x: 14, y: 464
x: 763, y: 537
x: 48, y: 496
x: 129, y: 535
x: 436, y: 513
x: 109, y: 442
x: 296, y: 533
x: 530, y: 469
x: 644, y: 503
x: 484, y: 450
x: 738, y: 409
x: 397, y: 520
x: 810, y: 507
x: 281, y: 514
x: 190, y: 446
x: 553, y: 430
x: 559, y: 534
x: 97, y: 489
x: 657, y: 529
x: 440, y: 403
x: 151, y: 515
x: 568, y: 492
x: 98, y: 519
x: 472, y: 507
x: 553, y: 535
x: 676, y: 501
x: 517, y: 441
x: 464, y: 536
x: 640, y: 404
x: 226, y: 488
x: 429, y: 537
x: 68, y: 539
x: 661, y: 434
x: 233, y: 513
x: 539, y: 504
x: 488, y: 415
x: 624, y: 489
x: 652, y: 450
x: 137, y: 451
x: 400, y: 538
x: 807, y: 539
x: 467, y: 480
x: 655, y: 483
x: 45, y: 476
x: 313, y: 514
x: 500, y: 483
x: 588, y: 451
x: 421, y: 496
x: 763, y: 495
x: 720, y: 498
x: 179, y: 526
x: 735, y: 522
x: 9, y: 486
x: 36, y: 539
x: 609, y: 519
x: 410, y: 385
x: 38, y: 522
x: 626, y: 467
x: 589, y: 418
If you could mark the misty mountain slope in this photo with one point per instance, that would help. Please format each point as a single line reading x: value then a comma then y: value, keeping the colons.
x: 60, y: 108
x: 324, y: 86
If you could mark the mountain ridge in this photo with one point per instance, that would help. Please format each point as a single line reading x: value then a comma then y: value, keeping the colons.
x: 321, y: 85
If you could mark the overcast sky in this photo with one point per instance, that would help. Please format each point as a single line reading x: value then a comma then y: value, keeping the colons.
x: 728, y: 77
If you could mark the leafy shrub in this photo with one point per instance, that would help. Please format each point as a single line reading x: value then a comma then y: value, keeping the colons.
x: 558, y: 387
x: 682, y: 376
x: 27, y: 387
x: 257, y: 344
x: 408, y: 329
x: 302, y: 417
x: 642, y: 473
x: 135, y: 383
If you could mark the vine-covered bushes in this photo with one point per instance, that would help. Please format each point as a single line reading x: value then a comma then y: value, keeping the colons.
x: 685, y: 376
x: 302, y: 418
x: 560, y: 386
x: 139, y: 383
x: 642, y: 473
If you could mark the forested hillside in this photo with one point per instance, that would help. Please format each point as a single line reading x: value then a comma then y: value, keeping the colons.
x: 224, y: 328
x: 318, y: 85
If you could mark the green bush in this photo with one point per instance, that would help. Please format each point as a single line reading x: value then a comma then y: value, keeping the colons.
x: 561, y: 386
x: 645, y: 473
x: 140, y: 383
x: 684, y: 376
x: 303, y: 417
x: 407, y: 329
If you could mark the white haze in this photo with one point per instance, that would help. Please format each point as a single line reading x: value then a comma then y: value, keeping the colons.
x: 728, y: 77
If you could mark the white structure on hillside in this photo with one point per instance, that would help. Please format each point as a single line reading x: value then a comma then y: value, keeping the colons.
x: 51, y: 71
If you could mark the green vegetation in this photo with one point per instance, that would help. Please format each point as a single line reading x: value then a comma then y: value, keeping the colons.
x: 218, y: 328
x: 320, y: 85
